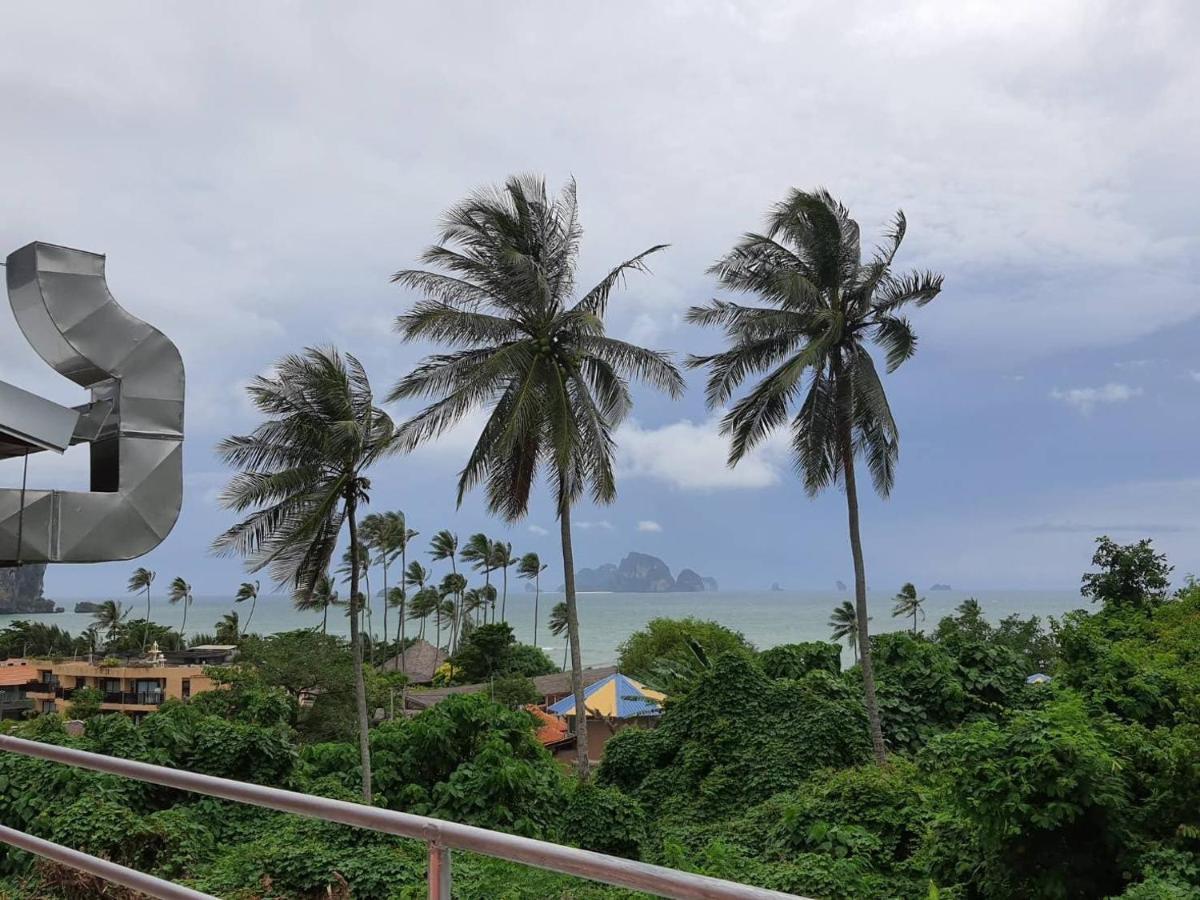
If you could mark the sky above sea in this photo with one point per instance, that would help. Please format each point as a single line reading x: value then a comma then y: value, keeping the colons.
x: 256, y: 172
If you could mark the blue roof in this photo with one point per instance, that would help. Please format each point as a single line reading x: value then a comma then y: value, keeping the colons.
x: 615, y: 696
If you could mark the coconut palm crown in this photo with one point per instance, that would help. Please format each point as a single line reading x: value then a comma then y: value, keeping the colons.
x: 807, y: 343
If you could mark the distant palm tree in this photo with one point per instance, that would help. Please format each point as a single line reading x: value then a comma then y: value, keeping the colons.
x: 444, y: 546
x: 322, y: 597
x: 453, y: 586
x: 109, y: 616
x: 555, y: 383
x: 908, y: 604
x: 530, y: 568
x: 823, y: 305
x: 364, y: 573
x: 390, y: 537
x: 423, y: 604
x: 558, y: 628
x: 304, y: 478
x: 478, y: 551
x: 248, y: 591
x: 180, y: 592
x: 228, y: 630
x: 502, y: 559
x: 139, y: 581
x: 844, y: 622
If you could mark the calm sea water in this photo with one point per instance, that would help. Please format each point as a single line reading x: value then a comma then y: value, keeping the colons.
x: 766, y: 618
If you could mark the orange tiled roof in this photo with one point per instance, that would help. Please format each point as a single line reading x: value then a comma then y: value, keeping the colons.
x: 551, y: 729
x: 14, y: 675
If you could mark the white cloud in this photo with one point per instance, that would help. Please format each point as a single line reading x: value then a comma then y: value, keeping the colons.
x: 694, y: 456
x: 649, y: 525
x: 601, y: 523
x: 538, y: 530
x: 1086, y: 399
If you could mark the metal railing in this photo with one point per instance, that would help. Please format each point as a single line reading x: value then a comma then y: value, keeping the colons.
x: 440, y: 836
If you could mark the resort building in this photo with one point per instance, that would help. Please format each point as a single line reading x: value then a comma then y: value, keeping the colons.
x: 134, y: 688
x: 15, y: 674
x: 419, y: 662
x: 613, y: 703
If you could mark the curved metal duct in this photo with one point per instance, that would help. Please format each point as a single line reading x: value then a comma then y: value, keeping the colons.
x: 134, y: 423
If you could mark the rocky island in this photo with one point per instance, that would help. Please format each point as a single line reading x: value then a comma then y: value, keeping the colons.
x: 21, y: 590
x: 641, y: 573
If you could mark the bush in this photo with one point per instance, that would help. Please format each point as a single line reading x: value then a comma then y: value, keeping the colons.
x: 605, y: 820
x: 797, y: 660
x: 665, y: 639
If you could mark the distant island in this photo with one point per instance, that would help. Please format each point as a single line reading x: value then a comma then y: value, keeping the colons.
x: 21, y: 590
x: 86, y: 606
x: 641, y: 573
x: 775, y: 586
x: 941, y: 587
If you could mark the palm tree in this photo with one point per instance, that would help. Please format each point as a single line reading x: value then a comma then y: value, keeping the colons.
x: 558, y: 627
x: 248, y: 591
x: 389, y: 536
x: 822, y: 306
x: 478, y: 552
x: 109, y: 616
x: 474, y: 599
x: 364, y: 572
x: 444, y: 546
x: 908, y: 604
x: 228, y: 630
x: 139, y: 581
x: 844, y: 622
x: 531, y: 568
x: 322, y: 597
x: 555, y: 383
x: 423, y: 604
x: 304, y: 478
x: 453, y: 586
x: 502, y: 559
x: 180, y: 592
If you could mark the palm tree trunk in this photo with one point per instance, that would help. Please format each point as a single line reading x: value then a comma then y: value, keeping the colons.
x: 860, y: 598
x: 370, y: 625
x: 183, y: 628
x: 537, y: 595
x: 385, y: 599
x: 581, y: 735
x: 504, y: 597
x: 403, y: 596
x: 360, y: 687
x: 253, y: 603
x: 146, y: 630
x: 325, y: 619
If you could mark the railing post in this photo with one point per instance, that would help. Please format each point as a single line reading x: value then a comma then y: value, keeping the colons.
x: 439, y: 871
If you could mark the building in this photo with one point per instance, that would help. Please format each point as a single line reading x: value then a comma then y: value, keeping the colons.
x: 131, y: 687
x: 15, y: 674
x: 552, y: 687
x: 420, y: 661
x: 613, y: 703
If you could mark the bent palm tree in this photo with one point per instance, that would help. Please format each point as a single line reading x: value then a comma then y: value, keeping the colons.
x: 531, y: 568
x: 558, y: 627
x: 907, y: 603
x: 180, y: 592
x: 503, y: 559
x: 823, y: 304
x: 109, y: 617
x: 304, y: 478
x: 139, y: 581
x: 844, y: 623
x: 228, y: 629
x: 478, y: 552
x: 554, y: 383
x: 444, y: 546
x: 248, y: 590
x: 322, y: 597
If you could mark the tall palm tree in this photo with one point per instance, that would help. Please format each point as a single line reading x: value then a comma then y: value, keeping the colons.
x: 424, y: 603
x: 531, y: 568
x: 444, y: 546
x: 558, y: 627
x: 478, y: 551
x: 555, y: 383
x: 844, y: 623
x: 364, y: 573
x: 180, y: 592
x: 502, y: 559
x: 109, y: 616
x: 304, y: 478
x: 139, y: 581
x: 474, y: 599
x: 907, y: 603
x: 322, y: 597
x: 389, y: 537
x: 823, y: 304
x: 453, y: 586
x: 248, y: 590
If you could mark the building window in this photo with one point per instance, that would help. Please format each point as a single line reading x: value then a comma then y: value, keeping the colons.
x: 187, y: 688
x: 47, y: 706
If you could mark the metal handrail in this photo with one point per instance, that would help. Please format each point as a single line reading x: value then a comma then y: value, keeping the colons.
x: 439, y: 835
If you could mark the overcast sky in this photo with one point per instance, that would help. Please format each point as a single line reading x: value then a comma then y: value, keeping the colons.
x: 255, y: 173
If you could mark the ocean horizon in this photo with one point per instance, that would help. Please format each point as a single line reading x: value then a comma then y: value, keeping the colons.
x: 766, y: 618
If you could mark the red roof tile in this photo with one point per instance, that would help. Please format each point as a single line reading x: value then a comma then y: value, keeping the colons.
x: 551, y: 729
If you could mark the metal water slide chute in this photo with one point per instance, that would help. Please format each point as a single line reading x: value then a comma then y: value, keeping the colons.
x: 133, y: 424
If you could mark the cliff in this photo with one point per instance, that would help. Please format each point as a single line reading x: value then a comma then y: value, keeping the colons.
x: 21, y: 590
x: 640, y: 573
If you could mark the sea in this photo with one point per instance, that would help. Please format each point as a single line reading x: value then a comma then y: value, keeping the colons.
x: 766, y: 618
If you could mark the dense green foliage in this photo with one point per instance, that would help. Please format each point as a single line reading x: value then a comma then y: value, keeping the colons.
x: 490, y: 651
x: 664, y: 639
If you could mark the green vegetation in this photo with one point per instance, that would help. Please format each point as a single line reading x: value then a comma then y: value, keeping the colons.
x: 824, y: 305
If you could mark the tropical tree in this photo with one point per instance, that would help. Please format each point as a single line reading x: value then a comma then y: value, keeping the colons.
x: 503, y: 559
x: 387, y: 534
x: 844, y: 624
x: 531, y: 568
x: 907, y: 603
x: 180, y: 592
x: 304, y: 479
x: 453, y: 586
x: 109, y: 616
x: 323, y: 596
x: 822, y: 305
x: 139, y: 581
x: 555, y: 383
x: 248, y: 590
x: 558, y: 627
x: 478, y: 552
x: 364, y: 573
x: 474, y: 599
x: 228, y: 630
x: 423, y: 604
x: 444, y: 546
